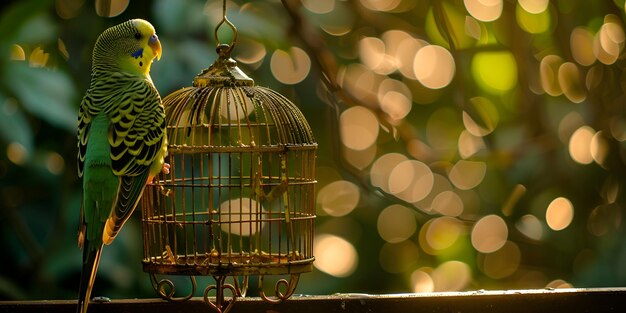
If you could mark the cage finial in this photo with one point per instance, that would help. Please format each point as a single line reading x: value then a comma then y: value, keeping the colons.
x: 224, y: 72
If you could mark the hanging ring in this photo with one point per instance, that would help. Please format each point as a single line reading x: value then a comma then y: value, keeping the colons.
x: 232, y: 27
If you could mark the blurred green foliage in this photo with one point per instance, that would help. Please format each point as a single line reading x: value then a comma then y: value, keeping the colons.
x: 501, y: 81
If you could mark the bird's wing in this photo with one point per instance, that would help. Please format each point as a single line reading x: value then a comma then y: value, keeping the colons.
x: 136, y: 137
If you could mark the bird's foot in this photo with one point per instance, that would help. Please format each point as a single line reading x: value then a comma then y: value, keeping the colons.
x: 82, y: 230
x: 166, y: 168
x: 101, y: 299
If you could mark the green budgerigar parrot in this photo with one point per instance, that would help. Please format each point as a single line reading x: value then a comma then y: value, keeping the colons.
x: 121, y: 139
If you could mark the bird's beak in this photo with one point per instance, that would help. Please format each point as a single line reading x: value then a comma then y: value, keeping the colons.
x: 155, y: 44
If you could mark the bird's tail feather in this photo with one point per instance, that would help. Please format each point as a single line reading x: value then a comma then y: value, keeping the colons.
x: 91, y: 259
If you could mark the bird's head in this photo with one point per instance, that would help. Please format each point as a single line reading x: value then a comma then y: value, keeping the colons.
x: 129, y: 47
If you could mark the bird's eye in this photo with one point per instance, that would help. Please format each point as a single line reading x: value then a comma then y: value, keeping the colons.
x: 137, y: 36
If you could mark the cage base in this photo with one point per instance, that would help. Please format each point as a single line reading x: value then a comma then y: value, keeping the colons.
x: 228, y: 265
x: 283, y: 290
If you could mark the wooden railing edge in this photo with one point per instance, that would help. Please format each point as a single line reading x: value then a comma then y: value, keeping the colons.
x: 510, y: 301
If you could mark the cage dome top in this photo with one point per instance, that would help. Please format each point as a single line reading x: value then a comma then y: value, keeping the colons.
x: 225, y: 108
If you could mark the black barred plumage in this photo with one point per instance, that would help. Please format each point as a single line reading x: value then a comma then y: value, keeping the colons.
x: 139, y: 118
x: 103, y: 59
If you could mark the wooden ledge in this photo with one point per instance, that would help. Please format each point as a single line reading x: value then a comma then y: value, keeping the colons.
x: 510, y: 301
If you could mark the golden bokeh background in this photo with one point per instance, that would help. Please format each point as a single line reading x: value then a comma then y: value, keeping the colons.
x: 463, y: 144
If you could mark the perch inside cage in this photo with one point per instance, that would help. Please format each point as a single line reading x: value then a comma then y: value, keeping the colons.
x: 239, y: 199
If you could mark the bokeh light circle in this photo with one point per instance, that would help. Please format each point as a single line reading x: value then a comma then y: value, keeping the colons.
x: 358, y: 128
x: 495, y: 71
x: 448, y: 203
x: 533, y: 23
x: 451, y: 276
x: 115, y: 7
x: 338, y: 198
x: 571, y: 82
x: 439, y: 234
x: 410, y: 180
x: 484, y: 10
x: 242, y: 217
x: 434, y: 66
x: 466, y: 175
x: 534, y: 6
x: 530, y: 226
x: 396, y: 223
x: 581, y: 44
x: 334, y: 255
x: 489, y: 234
x: 319, y: 6
x: 382, y: 167
x: 394, y: 98
x: 580, y: 143
x: 548, y: 74
x: 503, y: 262
x: 290, y: 67
x: 560, y: 213
x: 421, y: 281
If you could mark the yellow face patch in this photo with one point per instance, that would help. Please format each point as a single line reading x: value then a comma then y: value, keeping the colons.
x: 148, y: 38
x: 149, y: 45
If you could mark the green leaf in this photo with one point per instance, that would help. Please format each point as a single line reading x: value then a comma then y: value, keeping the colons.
x: 20, y: 13
x: 14, y: 126
x: 38, y: 29
x: 45, y: 93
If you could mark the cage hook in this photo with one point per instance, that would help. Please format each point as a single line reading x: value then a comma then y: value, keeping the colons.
x: 226, y: 21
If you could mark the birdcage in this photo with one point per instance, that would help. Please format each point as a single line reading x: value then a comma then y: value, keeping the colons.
x: 239, y: 198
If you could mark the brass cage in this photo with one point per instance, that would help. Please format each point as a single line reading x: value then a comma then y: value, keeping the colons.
x: 240, y: 196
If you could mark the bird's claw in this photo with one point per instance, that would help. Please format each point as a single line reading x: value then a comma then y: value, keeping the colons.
x: 101, y: 299
x: 81, y: 235
x: 166, y: 168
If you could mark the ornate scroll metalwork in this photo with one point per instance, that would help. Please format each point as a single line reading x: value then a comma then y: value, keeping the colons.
x: 166, y: 288
x: 279, y: 296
